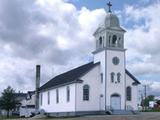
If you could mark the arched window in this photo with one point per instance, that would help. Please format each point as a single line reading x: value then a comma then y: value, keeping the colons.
x: 86, y: 92
x: 109, y: 40
x: 100, y: 41
x: 128, y: 93
x: 118, y: 77
x: 41, y: 100
x: 114, y: 40
x: 57, y: 96
x: 101, y: 77
x: 48, y: 97
x: 68, y: 94
x: 119, y: 42
x: 112, y: 77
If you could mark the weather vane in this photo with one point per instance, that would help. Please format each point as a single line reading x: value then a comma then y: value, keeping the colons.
x: 109, y: 6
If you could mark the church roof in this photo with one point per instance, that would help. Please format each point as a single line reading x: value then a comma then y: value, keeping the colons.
x: 111, y: 22
x: 135, y: 79
x: 73, y: 76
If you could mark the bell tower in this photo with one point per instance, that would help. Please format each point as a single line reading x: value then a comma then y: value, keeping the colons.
x: 110, y: 52
x: 109, y: 33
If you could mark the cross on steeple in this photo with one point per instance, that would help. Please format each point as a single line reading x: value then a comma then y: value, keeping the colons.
x: 109, y: 6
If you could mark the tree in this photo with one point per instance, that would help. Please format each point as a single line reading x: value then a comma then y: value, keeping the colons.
x: 8, y: 100
x: 158, y: 102
x: 148, y: 99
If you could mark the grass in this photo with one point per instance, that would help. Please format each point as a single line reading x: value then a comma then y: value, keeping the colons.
x: 49, y: 118
x: 154, y: 110
x: 11, y: 117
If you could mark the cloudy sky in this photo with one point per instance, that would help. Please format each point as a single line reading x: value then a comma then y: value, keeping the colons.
x: 57, y: 34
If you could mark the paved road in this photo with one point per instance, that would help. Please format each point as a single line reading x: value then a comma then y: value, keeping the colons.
x: 142, y: 116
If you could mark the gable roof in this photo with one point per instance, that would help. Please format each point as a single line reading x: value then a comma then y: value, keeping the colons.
x: 20, y: 96
x: 135, y: 79
x: 68, y: 77
x: 73, y: 76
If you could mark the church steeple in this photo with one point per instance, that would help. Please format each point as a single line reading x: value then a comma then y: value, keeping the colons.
x: 109, y: 33
x: 110, y: 53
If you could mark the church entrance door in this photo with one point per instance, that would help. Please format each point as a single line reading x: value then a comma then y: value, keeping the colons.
x: 115, y: 102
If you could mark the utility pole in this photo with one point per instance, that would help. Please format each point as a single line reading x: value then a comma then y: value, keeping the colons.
x: 145, y: 91
x: 145, y: 96
x: 142, y: 101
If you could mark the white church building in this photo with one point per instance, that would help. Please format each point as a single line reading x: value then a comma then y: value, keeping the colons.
x: 99, y: 87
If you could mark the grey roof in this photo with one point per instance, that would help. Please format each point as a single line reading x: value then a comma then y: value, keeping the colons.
x: 135, y: 79
x: 20, y: 96
x: 73, y: 76
x: 68, y: 77
x: 111, y: 22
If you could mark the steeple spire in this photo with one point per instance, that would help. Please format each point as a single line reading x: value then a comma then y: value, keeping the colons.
x: 109, y: 6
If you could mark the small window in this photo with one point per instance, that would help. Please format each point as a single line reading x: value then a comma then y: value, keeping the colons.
x: 86, y: 92
x: 119, y: 42
x: 101, y: 77
x: 109, y: 40
x: 41, y: 98
x: 114, y: 40
x: 57, y: 96
x: 118, y: 77
x: 128, y: 93
x: 68, y: 94
x: 100, y: 41
x: 48, y: 97
x: 112, y: 77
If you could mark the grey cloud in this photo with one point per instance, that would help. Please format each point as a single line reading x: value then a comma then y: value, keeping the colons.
x: 17, y: 20
x: 23, y: 45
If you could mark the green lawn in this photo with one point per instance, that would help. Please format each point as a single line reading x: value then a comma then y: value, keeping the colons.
x: 12, y: 117
x: 17, y: 118
x: 155, y: 110
x: 141, y: 116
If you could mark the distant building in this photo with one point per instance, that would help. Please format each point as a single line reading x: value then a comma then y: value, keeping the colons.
x: 28, y: 105
x: 152, y: 104
x: 19, y: 97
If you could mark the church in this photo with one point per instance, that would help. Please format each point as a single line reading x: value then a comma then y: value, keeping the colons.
x: 99, y: 87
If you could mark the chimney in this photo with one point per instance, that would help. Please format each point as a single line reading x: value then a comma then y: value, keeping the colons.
x: 38, y: 67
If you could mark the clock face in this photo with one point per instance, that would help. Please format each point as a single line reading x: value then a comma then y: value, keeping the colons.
x: 115, y: 60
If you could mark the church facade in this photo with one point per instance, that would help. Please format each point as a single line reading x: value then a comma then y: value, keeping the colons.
x: 101, y: 86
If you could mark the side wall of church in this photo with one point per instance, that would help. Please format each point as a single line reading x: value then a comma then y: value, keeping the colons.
x: 100, y: 57
x: 134, y: 94
x: 92, y: 78
x: 63, y: 105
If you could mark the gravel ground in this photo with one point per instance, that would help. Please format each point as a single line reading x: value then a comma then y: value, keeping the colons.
x: 141, y: 116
